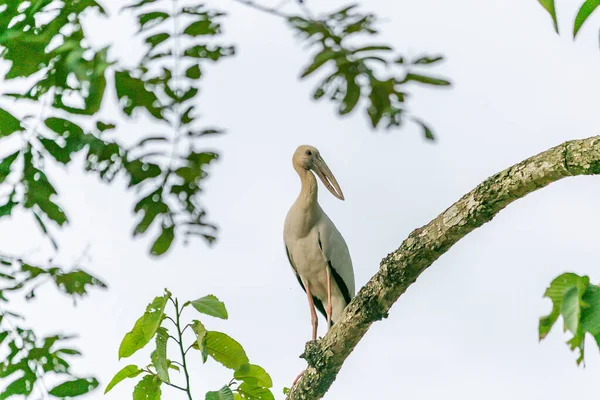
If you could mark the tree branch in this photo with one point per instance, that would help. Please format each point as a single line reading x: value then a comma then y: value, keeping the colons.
x: 423, y: 246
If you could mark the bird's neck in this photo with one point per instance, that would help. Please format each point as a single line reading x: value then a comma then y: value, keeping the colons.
x: 308, y: 193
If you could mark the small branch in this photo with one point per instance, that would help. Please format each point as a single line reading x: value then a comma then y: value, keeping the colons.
x: 260, y: 7
x: 180, y: 342
x: 423, y: 246
x: 188, y: 349
x: 187, y: 326
x: 171, y: 319
x: 165, y: 382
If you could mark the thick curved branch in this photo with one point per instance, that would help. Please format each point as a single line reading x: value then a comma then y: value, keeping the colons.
x: 423, y: 246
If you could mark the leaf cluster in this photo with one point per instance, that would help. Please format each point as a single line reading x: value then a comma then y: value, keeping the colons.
x: 371, y: 73
x: 30, y: 359
x: 586, y: 9
x: 578, y: 302
x: 249, y: 382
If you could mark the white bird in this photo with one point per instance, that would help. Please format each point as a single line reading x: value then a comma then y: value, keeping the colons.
x: 315, y: 248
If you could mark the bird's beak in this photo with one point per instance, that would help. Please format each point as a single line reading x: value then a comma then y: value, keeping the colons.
x: 323, y: 171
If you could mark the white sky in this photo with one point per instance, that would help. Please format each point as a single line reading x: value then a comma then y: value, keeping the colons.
x: 468, y: 327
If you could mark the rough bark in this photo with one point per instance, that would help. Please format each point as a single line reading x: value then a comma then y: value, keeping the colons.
x: 423, y: 246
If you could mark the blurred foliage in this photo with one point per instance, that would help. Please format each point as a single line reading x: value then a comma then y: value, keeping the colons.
x: 585, y: 11
x: 578, y: 302
x: 363, y: 72
x: 45, y: 42
x: 249, y: 381
x: 28, y: 362
x: 56, y: 118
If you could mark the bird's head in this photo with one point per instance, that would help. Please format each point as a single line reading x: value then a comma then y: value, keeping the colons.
x: 308, y: 158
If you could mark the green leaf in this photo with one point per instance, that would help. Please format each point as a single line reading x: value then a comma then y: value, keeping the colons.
x: 6, y: 164
x: 250, y: 392
x: 210, y: 305
x: 130, y: 371
x: 426, y: 130
x: 372, y: 48
x: 147, y: 389
x: 151, y: 19
x: 132, y: 93
x: 426, y: 79
x: 23, y: 385
x: 164, y: 241
x: 200, y: 332
x: 550, y: 7
x: 8, y: 123
x: 145, y: 327
x: 225, y: 350
x: 556, y: 292
x: 428, y: 60
x: 74, y: 388
x: 75, y: 282
x: 224, y: 394
x: 253, y: 375
x: 64, y: 127
x: 193, y: 72
x: 202, y: 27
x: 159, y: 356
x: 157, y: 39
x: 587, y: 8
x: 320, y: 59
x: 570, y: 308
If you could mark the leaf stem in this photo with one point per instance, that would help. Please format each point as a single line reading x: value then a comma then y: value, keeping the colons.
x: 165, y: 382
x: 262, y: 8
x: 180, y: 342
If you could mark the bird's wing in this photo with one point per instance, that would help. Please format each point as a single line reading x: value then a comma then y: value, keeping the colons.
x: 318, y: 303
x: 334, y: 247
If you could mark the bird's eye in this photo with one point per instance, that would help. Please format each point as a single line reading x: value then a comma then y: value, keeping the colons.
x: 308, y: 153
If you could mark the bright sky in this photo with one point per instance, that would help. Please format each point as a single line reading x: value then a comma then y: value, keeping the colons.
x: 468, y: 327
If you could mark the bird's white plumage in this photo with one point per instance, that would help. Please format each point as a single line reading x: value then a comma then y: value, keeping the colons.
x: 313, y: 242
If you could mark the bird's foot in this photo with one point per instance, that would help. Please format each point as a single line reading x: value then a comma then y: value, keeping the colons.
x: 297, y: 378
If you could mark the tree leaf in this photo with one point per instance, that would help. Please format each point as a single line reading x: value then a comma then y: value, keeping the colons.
x: 426, y: 79
x: 6, y: 164
x: 550, y: 7
x: 253, y: 375
x: 225, y: 350
x: 428, y: 60
x: 129, y: 371
x: 147, y: 389
x: 163, y: 241
x: 151, y: 19
x: 63, y: 127
x: 75, y: 282
x: 74, y: 388
x: 132, y: 93
x: 145, y: 327
x: 204, y: 26
x: 587, y: 8
x: 193, y: 72
x: 200, y: 332
x: 210, y: 305
x: 570, y: 309
x: 159, y: 356
x: 320, y: 59
x: 224, y: 393
x: 426, y: 130
x: 556, y: 293
x: 157, y: 39
x: 8, y: 123
x: 250, y: 392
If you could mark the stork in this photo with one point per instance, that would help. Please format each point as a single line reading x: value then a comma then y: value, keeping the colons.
x: 315, y: 248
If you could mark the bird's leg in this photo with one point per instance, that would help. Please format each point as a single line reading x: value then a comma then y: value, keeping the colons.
x: 313, y: 313
x: 329, y: 306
